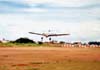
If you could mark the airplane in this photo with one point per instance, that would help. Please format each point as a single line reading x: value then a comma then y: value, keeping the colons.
x: 48, y: 35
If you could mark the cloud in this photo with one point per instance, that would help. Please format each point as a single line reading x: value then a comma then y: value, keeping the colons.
x: 13, y: 4
x: 18, y: 25
x: 54, y: 9
x: 70, y: 3
x: 34, y: 10
x: 80, y: 18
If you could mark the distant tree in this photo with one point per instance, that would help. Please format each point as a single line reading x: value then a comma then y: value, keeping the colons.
x: 0, y: 41
x: 77, y: 43
x: 53, y: 42
x: 24, y: 40
x: 94, y: 43
x: 39, y: 42
x: 62, y: 42
x: 11, y: 41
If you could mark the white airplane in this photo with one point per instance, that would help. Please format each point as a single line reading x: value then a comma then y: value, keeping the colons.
x: 48, y: 35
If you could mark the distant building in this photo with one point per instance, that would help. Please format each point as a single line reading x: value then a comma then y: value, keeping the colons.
x: 4, y: 40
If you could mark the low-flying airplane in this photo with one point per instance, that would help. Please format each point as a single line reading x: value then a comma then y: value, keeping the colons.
x: 48, y: 35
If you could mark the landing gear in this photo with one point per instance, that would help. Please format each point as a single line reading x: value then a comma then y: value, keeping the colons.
x: 41, y: 39
x: 49, y: 39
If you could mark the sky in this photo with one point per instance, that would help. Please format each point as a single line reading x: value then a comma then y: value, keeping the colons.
x: 79, y: 18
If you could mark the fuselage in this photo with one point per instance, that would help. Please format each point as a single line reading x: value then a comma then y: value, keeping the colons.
x: 46, y: 35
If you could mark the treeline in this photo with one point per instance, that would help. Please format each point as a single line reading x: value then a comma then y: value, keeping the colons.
x: 27, y: 40
x: 23, y: 40
x: 94, y: 43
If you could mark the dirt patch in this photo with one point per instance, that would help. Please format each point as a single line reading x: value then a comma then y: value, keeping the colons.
x: 38, y: 56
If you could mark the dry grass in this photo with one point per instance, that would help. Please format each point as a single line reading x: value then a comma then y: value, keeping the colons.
x: 49, y: 58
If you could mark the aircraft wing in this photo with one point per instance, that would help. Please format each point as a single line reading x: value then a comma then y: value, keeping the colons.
x: 48, y: 35
x: 35, y: 33
x: 58, y: 34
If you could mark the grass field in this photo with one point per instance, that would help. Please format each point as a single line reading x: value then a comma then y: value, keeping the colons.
x: 49, y: 58
x: 28, y: 45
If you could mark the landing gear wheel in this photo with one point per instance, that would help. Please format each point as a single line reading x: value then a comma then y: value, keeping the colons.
x: 50, y: 39
x: 42, y: 39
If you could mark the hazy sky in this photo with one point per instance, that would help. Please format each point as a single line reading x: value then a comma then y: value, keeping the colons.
x: 80, y: 18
